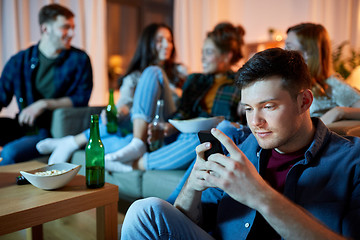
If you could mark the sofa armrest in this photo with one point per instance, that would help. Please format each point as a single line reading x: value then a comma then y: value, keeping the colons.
x: 71, y: 121
x: 346, y: 127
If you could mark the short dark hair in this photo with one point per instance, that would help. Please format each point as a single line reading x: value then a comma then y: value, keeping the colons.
x: 50, y: 12
x: 288, y: 65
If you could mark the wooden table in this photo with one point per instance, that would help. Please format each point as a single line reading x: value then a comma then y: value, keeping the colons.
x: 25, y: 206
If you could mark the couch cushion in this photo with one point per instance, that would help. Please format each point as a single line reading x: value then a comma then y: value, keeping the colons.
x: 345, y: 127
x: 160, y: 183
x: 71, y: 121
x: 130, y: 186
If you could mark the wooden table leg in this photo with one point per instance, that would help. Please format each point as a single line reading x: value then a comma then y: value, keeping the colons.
x: 106, y: 222
x: 36, y: 232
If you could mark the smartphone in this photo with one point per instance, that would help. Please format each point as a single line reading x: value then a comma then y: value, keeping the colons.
x: 206, y: 136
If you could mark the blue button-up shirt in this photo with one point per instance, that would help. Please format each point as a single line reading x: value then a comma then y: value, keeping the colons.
x: 72, y: 77
x: 326, y: 183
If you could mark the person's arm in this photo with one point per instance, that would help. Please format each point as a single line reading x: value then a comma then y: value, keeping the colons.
x: 127, y: 91
x: 340, y: 113
x: 31, y: 112
x: 238, y: 177
x: 189, y: 199
x: 82, y: 79
x: 7, y: 79
x: 346, y: 97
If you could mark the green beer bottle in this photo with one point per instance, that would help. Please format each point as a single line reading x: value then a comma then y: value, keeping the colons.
x: 95, y: 155
x: 111, y: 111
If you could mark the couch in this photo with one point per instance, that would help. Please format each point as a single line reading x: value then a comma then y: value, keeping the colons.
x: 139, y: 184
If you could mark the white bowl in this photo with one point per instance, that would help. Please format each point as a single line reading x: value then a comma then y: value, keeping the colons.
x: 196, y: 124
x: 52, y: 181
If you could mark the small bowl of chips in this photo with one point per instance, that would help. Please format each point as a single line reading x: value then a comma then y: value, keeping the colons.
x: 52, y: 176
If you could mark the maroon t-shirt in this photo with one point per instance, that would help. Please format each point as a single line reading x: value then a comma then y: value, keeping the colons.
x: 276, y: 171
x: 278, y: 167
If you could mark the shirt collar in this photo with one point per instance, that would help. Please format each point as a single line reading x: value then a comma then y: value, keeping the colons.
x: 321, y: 137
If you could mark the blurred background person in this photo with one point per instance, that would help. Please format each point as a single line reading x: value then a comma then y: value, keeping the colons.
x: 334, y: 99
x: 46, y: 76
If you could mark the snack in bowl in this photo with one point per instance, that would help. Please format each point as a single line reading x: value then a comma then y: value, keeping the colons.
x: 196, y: 124
x: 50, y: 172
x: 52, y: 176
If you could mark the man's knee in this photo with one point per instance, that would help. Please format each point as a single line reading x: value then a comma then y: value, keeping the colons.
x: 150, y: 204
x: 142, y: 212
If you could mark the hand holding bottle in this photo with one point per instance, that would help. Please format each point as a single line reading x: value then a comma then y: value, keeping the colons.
x: 169, y: 129
x: 123, y: 111
x: 157, y: 128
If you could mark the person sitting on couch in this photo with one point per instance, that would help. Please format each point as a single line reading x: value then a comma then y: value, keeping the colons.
x: 334, y: 99
x: 152, y: 63
x: 44, y: 77
x: 212, y: 93
x: 292, y: 178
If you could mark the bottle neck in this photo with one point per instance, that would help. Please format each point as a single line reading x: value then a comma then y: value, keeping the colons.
x: 159, y: 110
x: 94, y: 130
x: 111, y: 97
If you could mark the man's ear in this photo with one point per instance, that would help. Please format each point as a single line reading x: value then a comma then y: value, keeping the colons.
x: 306, y: 99
x: 43, y: 28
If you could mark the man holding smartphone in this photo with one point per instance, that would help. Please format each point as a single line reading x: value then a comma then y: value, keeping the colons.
x: 291, y: 178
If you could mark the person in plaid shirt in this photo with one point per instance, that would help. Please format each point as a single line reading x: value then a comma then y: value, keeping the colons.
x: 46, y: 76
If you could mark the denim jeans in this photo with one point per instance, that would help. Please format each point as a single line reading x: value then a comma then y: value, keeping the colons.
x: 20, y: 147
x: 153, y: 218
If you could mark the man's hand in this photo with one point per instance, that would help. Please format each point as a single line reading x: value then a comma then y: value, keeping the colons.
x: 196, y: 180
x: 28, y: 115
x: 189, y: 199
x: 236, y: 175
